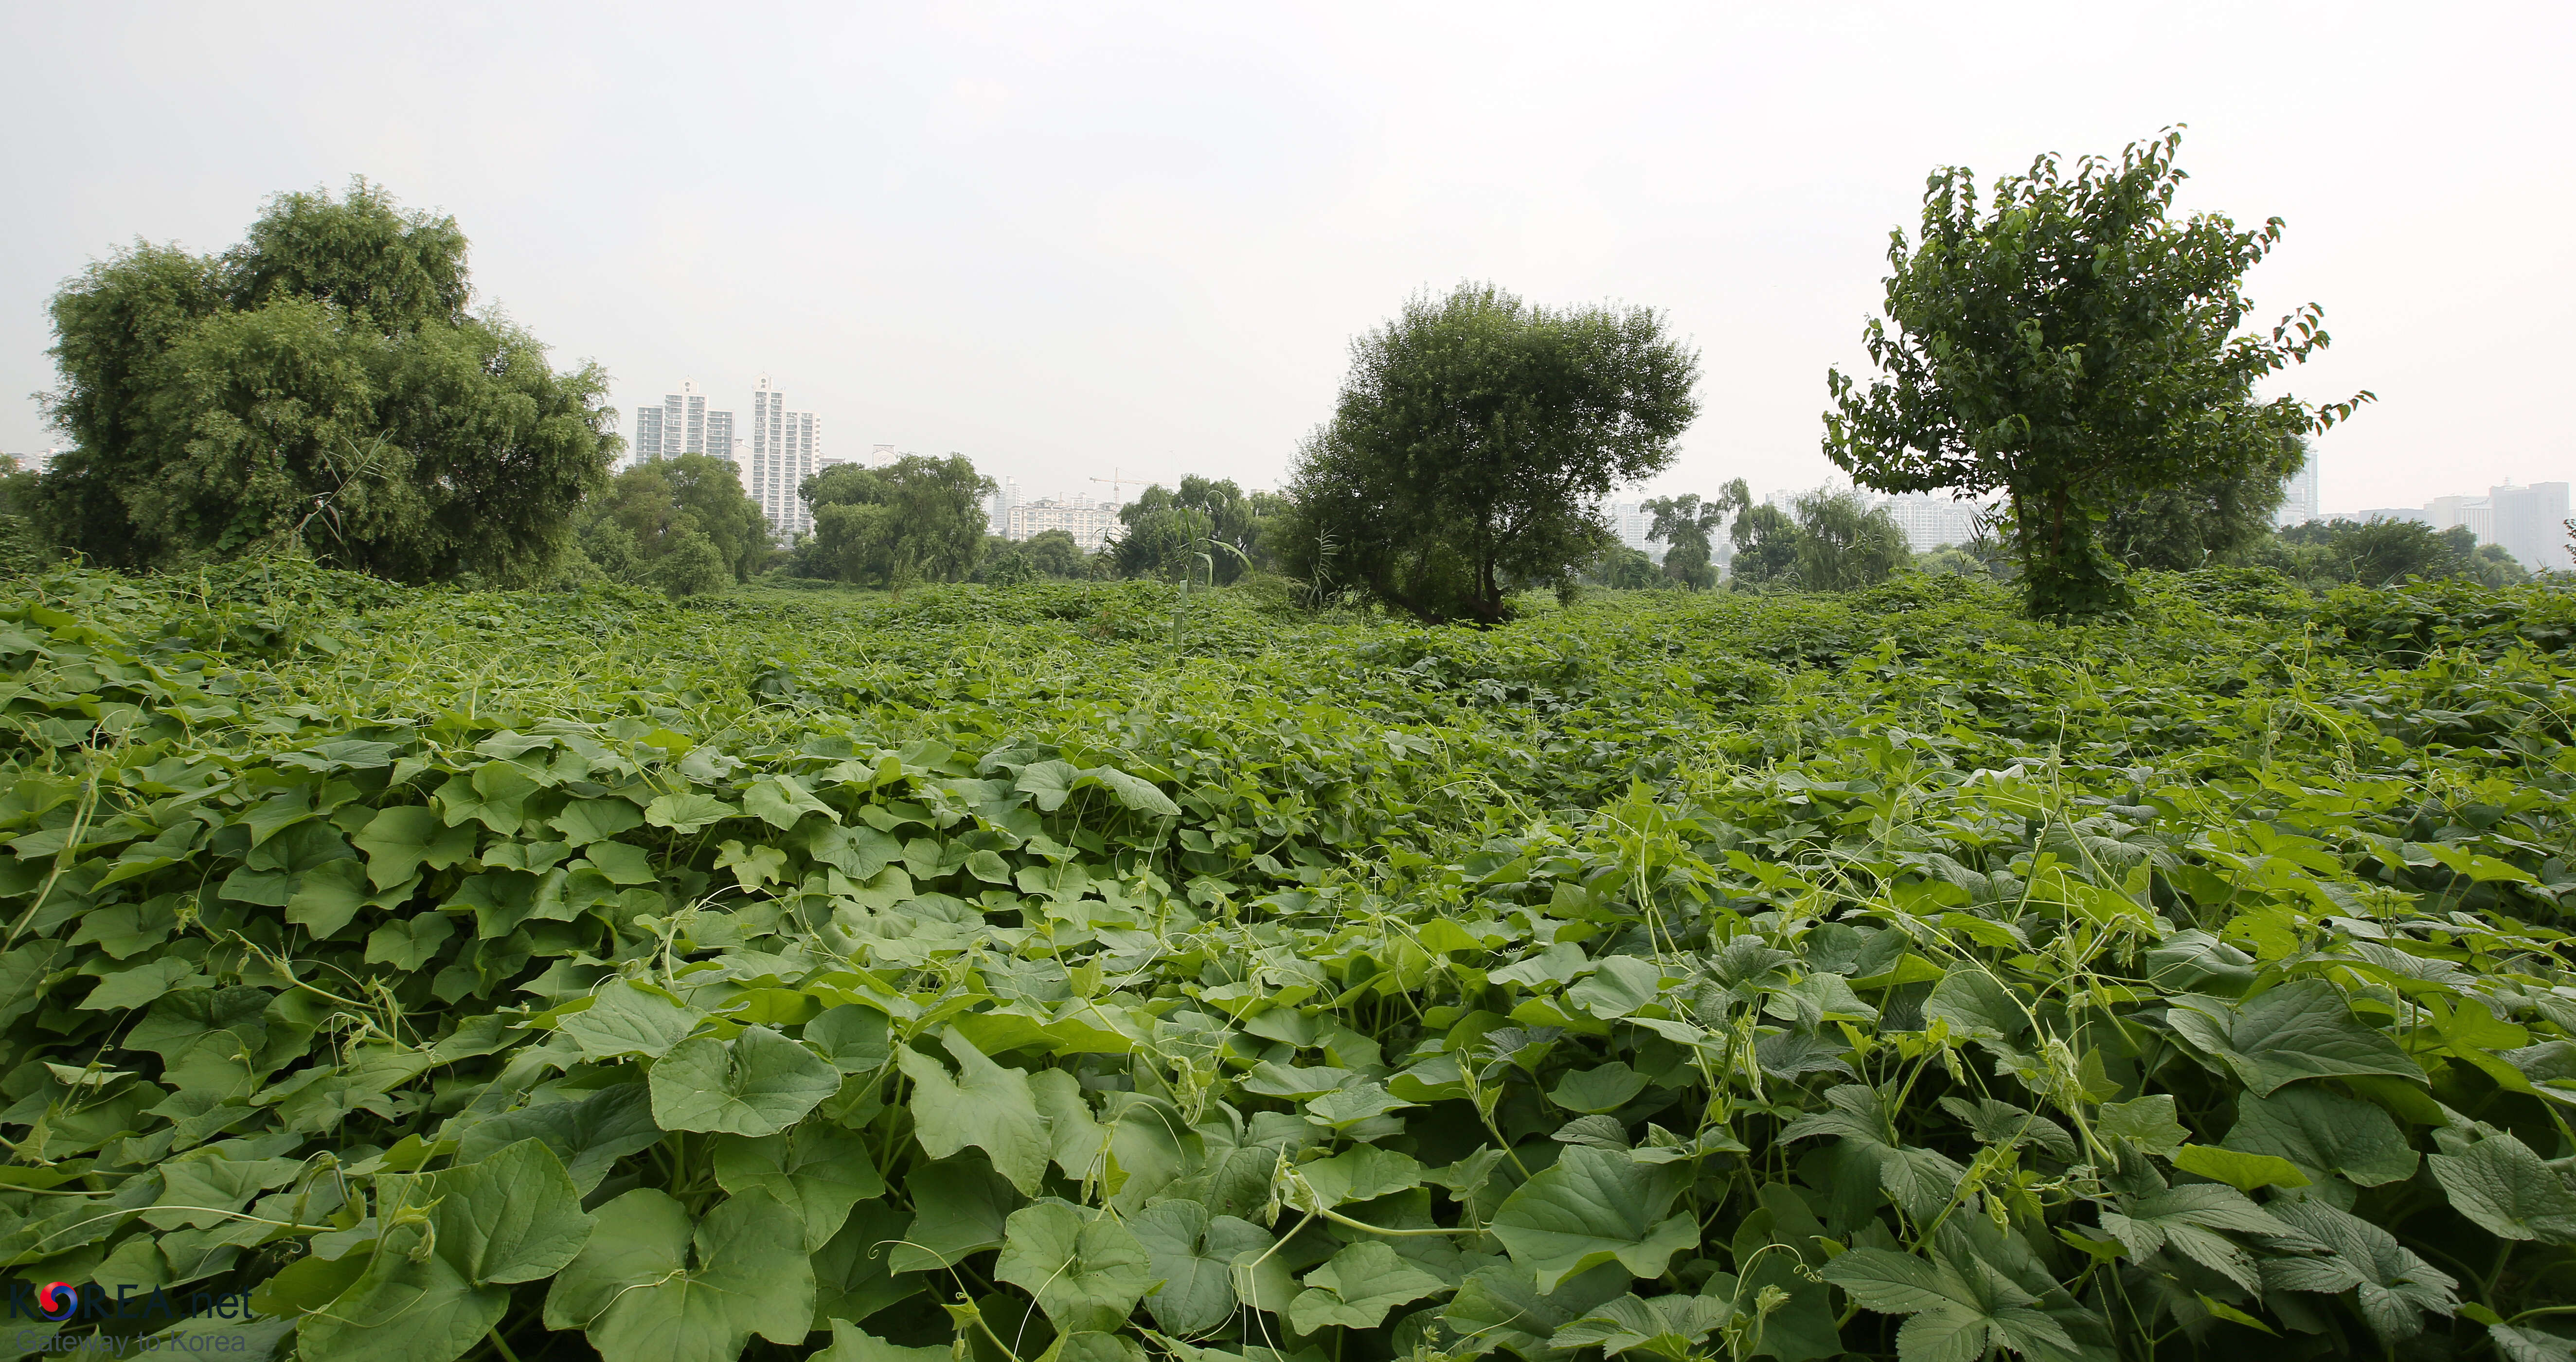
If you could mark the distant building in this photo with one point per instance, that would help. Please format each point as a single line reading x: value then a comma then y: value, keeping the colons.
x: 783, y: 449
x: 1092, y: 524
x: 2299, y: 495
x: 2529, y: 522
x: 997, y: 512
x: 1931, y: 521
x: 682, y: 425
x: 2446, y: 513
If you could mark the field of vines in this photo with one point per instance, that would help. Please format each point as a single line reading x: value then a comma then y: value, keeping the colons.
x: 1086, y: 973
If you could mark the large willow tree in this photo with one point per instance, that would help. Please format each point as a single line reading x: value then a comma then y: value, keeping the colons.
x: 324, y: 384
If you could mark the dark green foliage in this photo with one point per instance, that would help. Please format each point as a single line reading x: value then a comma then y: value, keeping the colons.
x: 1625, y: 569
x: 2383, y: 553
x: 1844, y: 544
x: 1875, y: 975
x: 918, y: 519
x: 1470, y: 436
x: 1046, y: 554
x: 320, y: 387
x: 1766, y: 548
x: 2074, y: 347
x: 652, y: 508
x: 2212, y: 518
x: 1686, y: 523
x: 1169, y: 531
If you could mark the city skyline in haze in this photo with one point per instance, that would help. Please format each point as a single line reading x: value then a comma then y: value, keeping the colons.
x: 1066, y: 241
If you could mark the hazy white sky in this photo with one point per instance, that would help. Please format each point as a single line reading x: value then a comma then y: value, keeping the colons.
x: 1064, y: 239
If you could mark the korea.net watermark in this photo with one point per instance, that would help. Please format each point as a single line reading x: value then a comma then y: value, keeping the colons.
x: 38, y: 1315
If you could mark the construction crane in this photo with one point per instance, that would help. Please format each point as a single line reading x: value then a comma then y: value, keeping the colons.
x: 1116, y: 483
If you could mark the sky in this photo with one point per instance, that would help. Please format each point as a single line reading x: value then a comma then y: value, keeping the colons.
x: 1107, y: 240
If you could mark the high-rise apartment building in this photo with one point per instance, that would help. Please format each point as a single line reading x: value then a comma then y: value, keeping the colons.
x: 1091, y: 523
x: 2530, y: 522
x: 2300, y: 502
x: 2477, y: 513
x: 783, y: 448
x: 682, y: 425
x: 1929, y: 521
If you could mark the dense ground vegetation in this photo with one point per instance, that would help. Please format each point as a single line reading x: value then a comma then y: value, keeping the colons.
x: 1084, y: 971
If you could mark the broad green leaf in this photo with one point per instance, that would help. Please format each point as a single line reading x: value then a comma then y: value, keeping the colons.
x: 2301, y: 1029
x: 2146, y: 1121
x: 399, y: 841
x: 627, y: 1018
x: 2527, y: 1343
x: 1602, y: 1089
x: 1500, y: 1306
x: 1669, y: 1326
x: 850, y: 1343
x: 985, y: 1105
x: 512, y: 1216
x: 854, y: 1274
x: 126, y: 990
x: 585, y: 821
x: 2391, y: 1286
x: 619, y: 863
x: 817, y: 1170
x: 852, y: 1037
x: 1957, y: 1312
x: 589, y: 1133
x: 1592, y: 1207
x: 2239, y: 1170
x: 1364, y: 1173
x: 1357, y: 1287
x: 2324, y: 1132
x: 411, y: 943
x: 495, y: 795
x: 687, y: 811
x: 1047, y: 783
x: 1918, y: 1180
x: 779, y: 800
x: 858, y: 852
x: 327, y: 898
x: 2503, y: 1186
x: 1976, y: 1005
x: 649, y: 1289
x: 411, y: 1304
x: 1192, y: 1255
x: 1085, y: 1269
x: 960, y: 1207
x: 757, y: 1083
x: 1623, y: 984
x: 1134, y: 791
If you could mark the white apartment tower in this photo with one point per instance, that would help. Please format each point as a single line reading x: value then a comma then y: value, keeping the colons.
x: 783, y: 448
x: 2300, y: 502
x: 682, y: 425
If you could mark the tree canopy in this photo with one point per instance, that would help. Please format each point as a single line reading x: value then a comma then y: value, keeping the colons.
x: 1166, y: 529
x: 658, y: 506
x: 321, y: 384
x: 1048, y: 553
x: 2204, y: 519
x: 1472, y: 436
x: 2072, y: 344
x: 917, y: 519
x: 1688, y: 524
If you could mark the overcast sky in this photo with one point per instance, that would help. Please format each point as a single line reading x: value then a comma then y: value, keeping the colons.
x: 1067, y: 239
